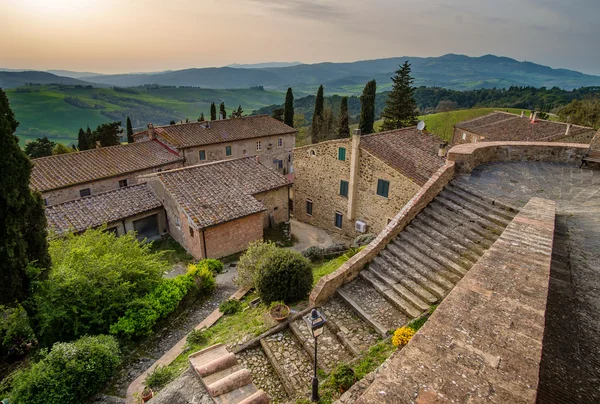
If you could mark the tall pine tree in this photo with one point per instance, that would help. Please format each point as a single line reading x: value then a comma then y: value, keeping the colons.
x: 23, y: 244
x: 400, y: 108
x: 317, y: 122
x: 367, y: 108
x: 222, y: 111
x: 82, y: 141
x: 344, y: 120
x: 288, y: 114
x: 109, y: 134
x: 129, y: 131
x: 201, y: 119
x: 213, y: 112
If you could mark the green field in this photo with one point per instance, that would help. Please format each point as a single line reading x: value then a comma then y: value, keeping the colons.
x: 442, y: 124
x: 43, y: 111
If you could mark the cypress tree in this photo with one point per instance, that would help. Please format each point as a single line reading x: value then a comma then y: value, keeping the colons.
x: 23, y: 244
x: 288, y: 115
x: 90, y: 139
x: 317, y: 122
x: 401, y: 108
x: 344, y: 120
x: 129, y: 131
x: 222, y: 112
x: 82, y: 140
x: 367, y: 108
x: 201, y: 119
x: 213, y: 112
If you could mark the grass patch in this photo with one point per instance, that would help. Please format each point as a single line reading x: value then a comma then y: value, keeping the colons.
x: 376, y: 355
x: 329, y: 266
x: 172, y: 251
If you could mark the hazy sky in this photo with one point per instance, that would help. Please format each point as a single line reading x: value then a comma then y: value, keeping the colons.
x: 110, y: 36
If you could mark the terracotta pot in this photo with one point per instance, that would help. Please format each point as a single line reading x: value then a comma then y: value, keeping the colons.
x: 279, y: 316
x: 148, y: 396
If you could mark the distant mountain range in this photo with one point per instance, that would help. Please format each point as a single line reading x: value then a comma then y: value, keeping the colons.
x: 263, y: 65
x: 451, y: 71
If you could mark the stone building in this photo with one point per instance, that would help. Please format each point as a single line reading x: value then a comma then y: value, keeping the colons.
x: 70, y: 176
x: 216, y: 209
x: 267, y: 138
x: 352, y: 186
x: 504, y: 126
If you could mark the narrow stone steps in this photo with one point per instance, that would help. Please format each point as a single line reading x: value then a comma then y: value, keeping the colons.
x: 481, y: 203
x: 464, y: 185
x: 372, y: 307
x: 438, y: 252
x: 263, y: 373
x: 444, y: 269
x: 399, y: 262
x: 403, y: 280
x: 401, y: 290
x: 390, y: 295
x: 476, y: 224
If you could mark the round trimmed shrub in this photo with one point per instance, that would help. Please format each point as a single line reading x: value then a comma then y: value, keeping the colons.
x: 284, y: 275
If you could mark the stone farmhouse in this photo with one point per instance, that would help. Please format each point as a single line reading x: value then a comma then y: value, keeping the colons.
x: 199, y: 142
x: 357, y: 185
x: 213, y: 210
x: 501, y: 126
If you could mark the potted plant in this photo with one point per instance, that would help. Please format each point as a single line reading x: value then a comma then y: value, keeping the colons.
x: 279, y: 311
x: 147, y: 394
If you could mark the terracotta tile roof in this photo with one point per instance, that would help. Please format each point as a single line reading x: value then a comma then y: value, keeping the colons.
x: 411, y: 152
x: 226, y: 130
x: 503, y: 126
x: 218, y: 192
x: 64, y: 170
x: 95, y: 210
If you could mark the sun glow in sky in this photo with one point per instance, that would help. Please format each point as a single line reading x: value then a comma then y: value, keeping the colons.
x: 111, y: 36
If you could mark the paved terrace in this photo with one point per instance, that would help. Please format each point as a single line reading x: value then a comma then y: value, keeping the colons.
x: 570, y: 352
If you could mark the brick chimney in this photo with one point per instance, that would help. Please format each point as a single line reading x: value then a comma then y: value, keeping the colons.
x: 354, y: 165
x: 150, y: 131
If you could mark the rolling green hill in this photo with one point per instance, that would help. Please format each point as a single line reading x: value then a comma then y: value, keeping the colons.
x: 59, y: 111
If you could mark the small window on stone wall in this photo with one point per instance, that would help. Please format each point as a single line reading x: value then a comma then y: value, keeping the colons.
x: 85, y: 192
x: 309, y: 206
x: 464, y: 136
x: 313, y: 153
x: 122, y: 183
x: 191, y: 231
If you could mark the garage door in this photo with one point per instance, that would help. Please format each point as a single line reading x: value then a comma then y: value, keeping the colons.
x: 146, y: 227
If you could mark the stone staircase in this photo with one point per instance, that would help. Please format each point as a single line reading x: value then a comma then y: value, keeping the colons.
x: 416, y: 270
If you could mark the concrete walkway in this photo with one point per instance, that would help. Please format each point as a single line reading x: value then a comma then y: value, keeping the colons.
x: 308, y: 236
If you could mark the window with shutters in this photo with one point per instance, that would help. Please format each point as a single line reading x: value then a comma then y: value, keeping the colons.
x: 202, y: 155
x: 383, y: 188
x: 309, y: 206
x: 338, y: 219
x: 228, y: 150
x: 344, y: 188
x: 342, y: 154
x: 258, y: 146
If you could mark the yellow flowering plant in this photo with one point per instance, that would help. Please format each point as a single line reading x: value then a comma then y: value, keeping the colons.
x: 402, y: 336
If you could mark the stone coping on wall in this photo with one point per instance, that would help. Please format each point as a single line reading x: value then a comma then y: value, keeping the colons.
x: 327, y: 285
x: 469, y: 155
x: 484, y: 341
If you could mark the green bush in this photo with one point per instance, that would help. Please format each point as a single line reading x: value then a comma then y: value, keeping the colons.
x: 342, y: 378
x: 70, y: 373
x: 230, y: 306
x: 197, y: 337
x: 284, y: 275
x: 93, y: 280
x: 160, y: 377
x: 251, y: 260
x: 16, y: 334
x: 144, y: 312
x: 215, y: 266
x: 203, y: 277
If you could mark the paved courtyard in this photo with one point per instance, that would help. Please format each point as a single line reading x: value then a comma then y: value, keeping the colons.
x: 570, y: 369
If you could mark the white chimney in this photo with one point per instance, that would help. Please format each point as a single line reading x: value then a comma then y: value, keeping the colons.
x: 443, y: 149
x: 568, y: 129
x: 533, y: 118
x: 220, y: 116
x: 522, y: 114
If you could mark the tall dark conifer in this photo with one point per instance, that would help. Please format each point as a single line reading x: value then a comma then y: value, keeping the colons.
x: 109, y: 134
x: 288, y: 115
x: 82, y: 143
x: 129, y: 131
x: 400, y: 108
x: 23, y: 235
x: 317, y: 122
x: 222, y: 111
x: 213, y: 112
x: 201, y: 117
x: 367, y: 108
x: 344, y: 120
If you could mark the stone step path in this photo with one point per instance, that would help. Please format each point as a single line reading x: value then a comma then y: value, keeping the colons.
x: 263, y: 373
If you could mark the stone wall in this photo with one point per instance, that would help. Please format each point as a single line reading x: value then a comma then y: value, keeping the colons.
x: 595, y: 142
x: 350, y: 269
x: 233, y: 236
x: 469, y: 156
x: 581, y: 138
x: 484, y: 341
x: 243, y: 148
x: 101, y: 185
x: 277, y: 203
x: 318, y: 176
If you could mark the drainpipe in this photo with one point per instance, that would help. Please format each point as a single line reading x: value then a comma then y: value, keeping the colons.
x: 204, y: 244
x: 353, y: 185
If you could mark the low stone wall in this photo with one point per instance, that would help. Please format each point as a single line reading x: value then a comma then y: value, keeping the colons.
x: 484, y: 341
x: 350, y: 269
x: 468, y: 156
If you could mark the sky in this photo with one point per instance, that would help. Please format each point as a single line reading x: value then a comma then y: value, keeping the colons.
x: 118, y: 36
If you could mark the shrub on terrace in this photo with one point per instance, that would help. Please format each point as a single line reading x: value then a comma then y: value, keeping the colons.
x: 70, y: 373
x: 283, y: 275
x: 251, y: 260
x: 215, y: 266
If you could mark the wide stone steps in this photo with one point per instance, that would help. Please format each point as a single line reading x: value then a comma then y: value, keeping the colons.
x: 481, y: 204
x: 382, y: 265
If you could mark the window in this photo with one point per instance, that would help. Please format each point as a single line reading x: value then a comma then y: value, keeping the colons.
x: 85, y: 192
x: 309, y: 207
x: 342, y: 153
x: 464, y: 136
x: 123, y: 183
x: 338, y: 220
x: 113, y: 230
x: 344, y: 188
x: 383, y: 188
x: 258, y: 145
x: 280, y: 142
x: 191, y: 231
x: 228, y: 150
x: 202, y: 154
x: 45, y: 201
x: 279, y: 164
x: 313, y: 153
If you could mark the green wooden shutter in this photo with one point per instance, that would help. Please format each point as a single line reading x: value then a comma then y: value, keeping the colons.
x: 383, y: 188
x: 344, y: 188
x: 342, y: 153
x: 228, y: 150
